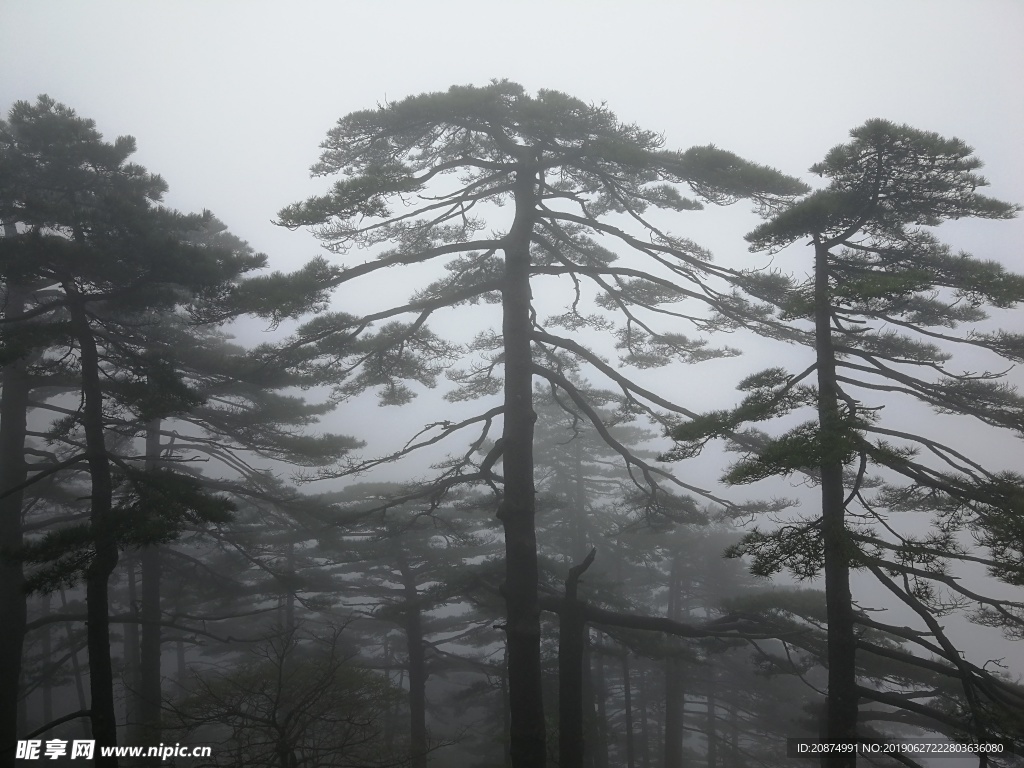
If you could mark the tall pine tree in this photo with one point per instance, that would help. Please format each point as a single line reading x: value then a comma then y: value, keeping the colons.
x: 423, y: 176
x: 887, y: 305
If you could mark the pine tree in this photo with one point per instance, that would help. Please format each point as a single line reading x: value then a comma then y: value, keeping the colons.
x: 93, y: 256
x: 108, y: 293
x: 567, y: 168
x: 884, y: 304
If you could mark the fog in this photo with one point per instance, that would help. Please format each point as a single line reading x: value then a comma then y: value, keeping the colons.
x: 322, y: 581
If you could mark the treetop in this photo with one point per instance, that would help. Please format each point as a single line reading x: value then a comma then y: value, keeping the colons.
x: 888, y: 178
x: 487, y: 134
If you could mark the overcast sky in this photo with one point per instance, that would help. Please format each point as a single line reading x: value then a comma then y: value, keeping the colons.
x: 230, y: 100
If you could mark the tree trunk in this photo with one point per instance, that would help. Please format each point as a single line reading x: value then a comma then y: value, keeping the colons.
x: 101, y: 674
x: 506, y: 715
x: 181, y: 673
x: 675, y: 698
x: 417, y: 666
x: 589, y: 703
x: 150, y: 677
x: 47, y: 651
x: 570, y: 671
x: 645, y: 741
x: 601, y: 726
x: 841, y: 716
x: 579, y: 503
x: 388, y: 727
x: 132, y: 663
x: 289, y: 596
x: 13, y: 472
x: 675, y: 701
x: 627, y: 696
x: 734, y: 737
x: 517, y: 508
x: 76, y: 668
x: 712, y: 730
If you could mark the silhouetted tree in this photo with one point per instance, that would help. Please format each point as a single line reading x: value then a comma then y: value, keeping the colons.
x: 883, y: 303
x: 572, y: 173
x: 93, y: 256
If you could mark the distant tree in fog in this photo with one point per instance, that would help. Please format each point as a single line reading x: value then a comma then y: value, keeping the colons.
x: 294, y: 700
x: 106, y: 292
x: 88, y: 259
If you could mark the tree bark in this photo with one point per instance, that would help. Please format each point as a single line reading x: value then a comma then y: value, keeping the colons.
x: 841, y: 712
x: 13, y: 472
x: 517, y: 508
x: 101, y: 675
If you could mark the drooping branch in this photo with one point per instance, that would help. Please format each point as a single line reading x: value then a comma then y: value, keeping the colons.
x: 969, y: 682
x: 649, y: 472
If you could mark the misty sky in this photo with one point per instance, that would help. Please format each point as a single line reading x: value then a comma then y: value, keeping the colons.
x: 230, y: 100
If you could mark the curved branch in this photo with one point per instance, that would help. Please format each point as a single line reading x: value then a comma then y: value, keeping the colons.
x: 631, y: 459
